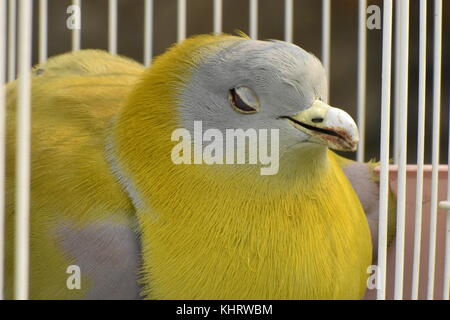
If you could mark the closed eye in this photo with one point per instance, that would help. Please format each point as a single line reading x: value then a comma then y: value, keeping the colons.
x: 244, y: 100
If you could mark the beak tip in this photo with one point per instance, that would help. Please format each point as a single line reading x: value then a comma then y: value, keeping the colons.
x: 338, y: 130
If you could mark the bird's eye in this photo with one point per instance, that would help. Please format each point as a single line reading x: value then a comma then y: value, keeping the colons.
x: 244, y: 100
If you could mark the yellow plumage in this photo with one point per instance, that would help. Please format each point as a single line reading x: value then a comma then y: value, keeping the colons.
x: 207, y: 232
x: 73, y: 101
x: 299, y: 234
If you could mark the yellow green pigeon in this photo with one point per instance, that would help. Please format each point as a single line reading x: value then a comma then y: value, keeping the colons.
x: 111, y: 205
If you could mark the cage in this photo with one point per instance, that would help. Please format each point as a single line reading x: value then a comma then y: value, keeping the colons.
x: 376, y: 54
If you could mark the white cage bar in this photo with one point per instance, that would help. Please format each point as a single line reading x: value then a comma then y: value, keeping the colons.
x: 384, y: 149
x: 253, y: 21
x: 112, y: 26
x: 446, y: 291
x: 181, y: 20
x: 326, y: 39
x: 402, y: 140
x: 420, y: 148
x: 217, y: 16
x: 397, y: 27
x: 3, y: 33
x: 12, y: 9
x: 435, y: 146
x: 23, y: 151
x: 361, y: 91
x: 289, y: 20
x: 148, y: 32
x: 43, y: 8
x: 76, y: 29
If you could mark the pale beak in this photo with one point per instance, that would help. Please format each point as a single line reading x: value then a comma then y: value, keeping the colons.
x: 327, y: 125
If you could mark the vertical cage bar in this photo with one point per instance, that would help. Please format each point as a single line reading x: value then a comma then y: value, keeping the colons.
x: 326, y: 24
x: 112, y: 26
x: 148, y: 32
x: 420, y: 147
x: 384, y: 153
x: 23, y: 152
x: 402, y: 141
x: 2, y: 139
x: 362, y: 61
x: 289, y: 20
x: 12, y: 10
x: 181, y: 20
x: 76, y: 32
x: 254, y: 19
x: 397, y: 81
x: 435, y: 148
x: 43, y: 30
x: 217, y: 16
x: 446, y: 292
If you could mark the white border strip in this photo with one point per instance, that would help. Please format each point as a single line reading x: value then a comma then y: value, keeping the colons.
x: 23, y: 151
x: 384, y: 148
x: 112, y: 26
x: 362, y: 67
x: 420, y: 147
x: 435, y: 149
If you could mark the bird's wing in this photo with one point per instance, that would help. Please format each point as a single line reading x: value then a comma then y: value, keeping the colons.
x: 365, y: 182
x: 80, y: 215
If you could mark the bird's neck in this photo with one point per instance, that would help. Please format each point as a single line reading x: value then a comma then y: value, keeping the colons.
x: 234, y: 223
x: 151, y: 173
x: 201, y: 229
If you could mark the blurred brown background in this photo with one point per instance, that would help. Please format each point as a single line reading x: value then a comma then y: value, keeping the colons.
x: 307, y: 34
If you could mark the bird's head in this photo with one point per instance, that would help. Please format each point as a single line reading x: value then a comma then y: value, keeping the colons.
x: 230, y: 82
x: 253, y: 84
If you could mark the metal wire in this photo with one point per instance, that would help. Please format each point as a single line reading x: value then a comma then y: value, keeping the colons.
x: 384, y: 152
x: 253, y: 19
x: 362, y: 62
x: 148, y: 32
x: 76, y: 32
x: 402, y: 156
x: 420, y: 147
x: 112, y: 26
x: 435, y: 147
x: 43, y: 30
x: 12, y: 11
x: 181, y: 20
x: 23, y: 152
x: 217, y: 20
x: 446, y: 292
x: 326, y: 21
x: 2, y: 139
x: 288, y: 20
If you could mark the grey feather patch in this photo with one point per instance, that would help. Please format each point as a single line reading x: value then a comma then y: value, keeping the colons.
x: 108, y: 254
x: 366, y: 187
